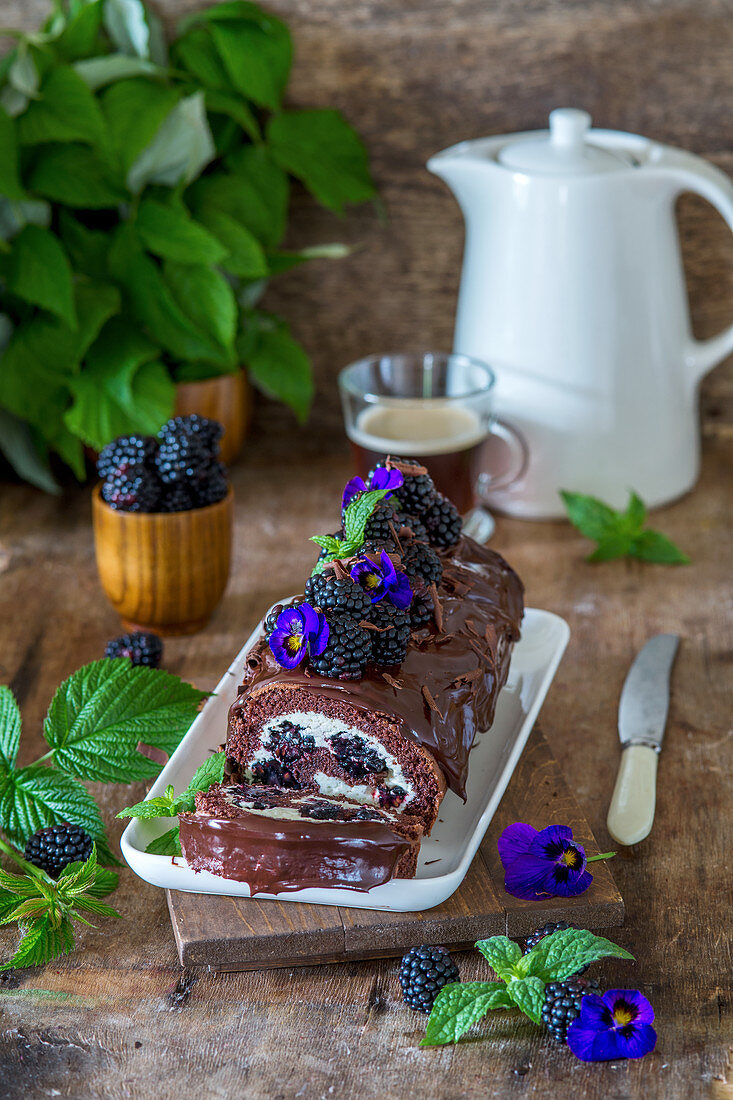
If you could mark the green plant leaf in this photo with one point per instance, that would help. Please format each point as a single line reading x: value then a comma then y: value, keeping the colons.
x: 611, y: 547
x: 9, y: 729
x: 16, y: 444
x: 635, y: 514
x: 99, y: 715
x: 207, y: 297
x: 22, y: 81
x: 41, y: 941
x: 355, y: 519
x: 245, y: 255
x: 181, y: 148
x: 591, y: 516
x: 564, y: 953
x: 66, y: 110
x: 10, y: 185
x: 233, y: 107
x: 87, y: 248
x: 149, y: 808
x: 459, y: 1006
x: 171, y: 232
x: 653, y: 546
x: 97, y: 72
x: 74, y: 175
x: 502, y: 953
x: 324, y: 152
x: 528, y: 995
x: 79, y: 38
x: 279, y: 261
x: 14, y: 215
x: 278, y: 366
x: 208, y: 773
x: 39, y: 272
x: 168, y: 844
x: 195, y: 51
x: 257, y: 56
x: 36, y: 796
x: 125, y: 22
x: 135, y: 110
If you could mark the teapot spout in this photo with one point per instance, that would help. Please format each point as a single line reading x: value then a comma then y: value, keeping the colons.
x: 467, y: 168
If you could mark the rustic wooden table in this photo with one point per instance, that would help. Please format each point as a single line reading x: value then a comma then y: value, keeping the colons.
x: 119, y: 1019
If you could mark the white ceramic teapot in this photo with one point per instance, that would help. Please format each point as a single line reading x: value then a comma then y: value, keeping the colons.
x: 573, y: 290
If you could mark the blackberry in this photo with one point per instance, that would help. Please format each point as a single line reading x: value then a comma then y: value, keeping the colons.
x: 562, y: 1004
x: 321, y: 811
x: 419, y: 560
x: 443, y: 522
x: 288, y: 743
x: 348, y: 650
x: 211, y: 485
x: 389, y: 798
x: 187, y: 445
x: 356, y: 756
x: 271, y: 773
x: 125, y: 454
x: 418, y: 491
x: 376, y: 546
x: 176, y: 497
x: 141, y: 647
x: 405, y: 519
x: 421, y: 610
x: 366, y: 814
x: 132, y: 492
x: 423, y: 973
x: 56, y: 846
x: 389, y: 642
x: 381, y: 521
x: 332, y: 593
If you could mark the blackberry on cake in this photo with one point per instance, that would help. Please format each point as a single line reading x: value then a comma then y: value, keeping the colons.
x: 443, y: 522
x: 418, y: 491
x: 419, y: 560
x: 382, y: 522
x: 390, y: 639
x: 424, y: 971
x: 405, y: 519
x: 563, y: 1002
x: 55, y: 847
x: 332, y: 593
x: 140, y: 646
x: 132, y: 492
x: 125, y: 454
x: 347, y: 652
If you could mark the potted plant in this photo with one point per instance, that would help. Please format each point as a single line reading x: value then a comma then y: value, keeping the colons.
x: 144, y: 196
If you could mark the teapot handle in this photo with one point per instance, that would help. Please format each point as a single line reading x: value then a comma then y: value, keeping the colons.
x: 691, y: 173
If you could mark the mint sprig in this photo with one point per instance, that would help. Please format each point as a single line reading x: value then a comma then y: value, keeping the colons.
x: 522, y: 980
x: 620, y: 534
x: 167, y: 805
x: 356, y: 517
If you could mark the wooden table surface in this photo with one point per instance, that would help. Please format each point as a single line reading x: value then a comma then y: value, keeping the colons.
x: 119, y: 1019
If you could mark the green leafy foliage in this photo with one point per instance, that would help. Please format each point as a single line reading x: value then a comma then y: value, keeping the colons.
x: 168, y: 844
x: 523, y: 978
x: 355, y: 521
x: 167, y: 805
x: 166, y: 184
x: 620, y: 534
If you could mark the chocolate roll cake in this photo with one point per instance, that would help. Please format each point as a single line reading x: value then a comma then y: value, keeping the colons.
x: 276, y: 840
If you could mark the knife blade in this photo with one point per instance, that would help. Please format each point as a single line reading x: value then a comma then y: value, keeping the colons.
x: 642, y: 718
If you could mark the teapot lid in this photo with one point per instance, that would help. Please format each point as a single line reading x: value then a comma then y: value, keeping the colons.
x: 562, y: 150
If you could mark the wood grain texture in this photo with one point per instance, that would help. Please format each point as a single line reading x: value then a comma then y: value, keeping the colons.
x: 163, y: 571
x: 227, y: 399
x: 234, y: 933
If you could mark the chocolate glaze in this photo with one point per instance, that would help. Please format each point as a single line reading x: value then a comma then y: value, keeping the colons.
x: 273, y: 856
x: 450, y: 678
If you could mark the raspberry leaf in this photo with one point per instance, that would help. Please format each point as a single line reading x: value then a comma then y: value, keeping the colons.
x: 9, y: 729
x: 168, y: 844
x: 42, y: 940
x: 460, y: 1005
x: 37, y: 796
x: 502, y: 953
x: 528, y: 994
x: 564, y: 953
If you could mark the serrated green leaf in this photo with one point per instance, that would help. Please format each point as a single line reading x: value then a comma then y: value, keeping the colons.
x: 66, y: 110
x: 40, y: 942
x: 181, y: 148
x: 78, y: 39
x: 92, y: 905
x: 653, y: 546
x: 635, y: 514
x: 591, y: 516
x: 255, y: 192
x: 244, y: 255
x: 99, y: 715
x: 528, y: 994
x: 460, y: 1005
x: 40, y: 273
x: 26, y: 910
x: 168, y: 844
x: 87, y: 248
x: 10, y: 185
x: 10, y: 726
x: 207, y: 298
x: 611, y: 547
x: 195, y: 51
x: 358, y: 513
x: 257, y: 57
x: 564, y: 953
x: 135, y: 109
x: 327, y: 542
x: 171, y: 232
x: 75, y: 176
x: 36, y: 796
x: 150, y: 807
x: 502, y: 953
x: 234, y: 107
x: 279, y: 368
x: 8, y: 901
x: 208, y: 773
x: 324, y: 152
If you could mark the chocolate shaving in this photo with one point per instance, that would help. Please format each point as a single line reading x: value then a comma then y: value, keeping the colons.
x: 395, y: 536
x: 484, y: 656
x: 396, y: 684
x: 430, y: 701
x: 254, y: 661
x: 466, y: 677
x: 158, y: 756
x: 437, y: 606
x: 371, y: 626
x: 340, y: 570
x: 412, y: 469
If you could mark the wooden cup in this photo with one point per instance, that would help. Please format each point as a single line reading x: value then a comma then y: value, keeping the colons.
x: 163, y: 571
x: 227, y: 399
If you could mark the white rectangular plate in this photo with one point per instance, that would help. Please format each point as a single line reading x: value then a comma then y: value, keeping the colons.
x: 446, y: 855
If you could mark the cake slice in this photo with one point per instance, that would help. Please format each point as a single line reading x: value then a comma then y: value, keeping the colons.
x: 277, y: 840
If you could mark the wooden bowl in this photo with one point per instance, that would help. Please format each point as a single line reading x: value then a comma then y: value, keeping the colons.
x: 163, y: 571
x: 227, y: 399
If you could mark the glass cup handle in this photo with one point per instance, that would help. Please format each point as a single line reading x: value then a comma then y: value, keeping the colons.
x: 489, y: 483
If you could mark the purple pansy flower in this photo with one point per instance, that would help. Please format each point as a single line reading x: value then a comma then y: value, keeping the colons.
x: 382, y: 579
x: 616, y: 1025
x: 298, y: 630
x: 381, y: 478
x: 540, y: 863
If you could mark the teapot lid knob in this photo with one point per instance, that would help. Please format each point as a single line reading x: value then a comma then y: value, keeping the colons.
x: 568, y: 126
x: 568, y: 149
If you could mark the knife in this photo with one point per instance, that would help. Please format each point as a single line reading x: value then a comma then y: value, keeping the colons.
x: 642, y: 717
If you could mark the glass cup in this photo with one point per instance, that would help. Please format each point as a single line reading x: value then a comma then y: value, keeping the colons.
x: 437, y: 408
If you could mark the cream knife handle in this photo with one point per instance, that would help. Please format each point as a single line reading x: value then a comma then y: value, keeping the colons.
x: 631, y: 814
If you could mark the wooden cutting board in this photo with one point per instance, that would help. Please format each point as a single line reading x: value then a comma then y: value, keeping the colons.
x: 224, y: 933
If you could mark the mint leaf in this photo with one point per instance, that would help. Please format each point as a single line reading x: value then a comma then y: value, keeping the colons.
x: 40, y: 273
x: 653, y: 546
x: 41, y: 941
x: 591, y: 516
x: 211, y: 771
x: 564, y: 953
x: 100, y: 713
x: 166, y: 845
x: 324, y: 152
x: 502, y: 953
x: 635, y: 513
x: 327, y: 542
x: 9, y: 729
x: 150, y: 807
x: 460, y: 1005
x: 358, y: 512
x: 37, y: 796
x: 171, y: 232
x: 65, y: 111
x: 528, y: 994
x: 611, y: 547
